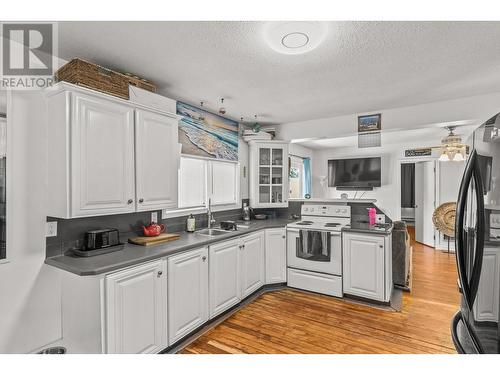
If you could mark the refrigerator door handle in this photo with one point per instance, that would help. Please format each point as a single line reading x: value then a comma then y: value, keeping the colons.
x: 460, y: 241
x: 480, y: 230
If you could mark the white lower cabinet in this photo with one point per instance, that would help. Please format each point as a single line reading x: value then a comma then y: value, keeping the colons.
x: 487, y: 304
x: 187, y: 292
x: 224, y: 271
x: 364, y: 266
x: 136, y: 310
x: 275, y: 255
x: 252, y: 263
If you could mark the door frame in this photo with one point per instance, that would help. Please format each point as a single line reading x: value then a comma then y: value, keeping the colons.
x: 436, y: 181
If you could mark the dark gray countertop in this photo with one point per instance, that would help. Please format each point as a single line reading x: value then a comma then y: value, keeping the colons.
x: 362, y: 227
x: 134, y: 254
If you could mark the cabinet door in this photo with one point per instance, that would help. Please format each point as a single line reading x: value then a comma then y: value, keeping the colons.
x: 224, y: 178
x: 136, y: 310
x: 157, y: 161
x: 102, y: 149
x: 268, y: 174
x: 224, y: 271
x: 275, y: 255
x: 187, y: 293
x: 363, y: 263
x: 486, y: 304
x: 252, y: 263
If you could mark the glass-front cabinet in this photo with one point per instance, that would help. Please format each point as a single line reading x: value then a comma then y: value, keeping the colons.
x: 268, y: 174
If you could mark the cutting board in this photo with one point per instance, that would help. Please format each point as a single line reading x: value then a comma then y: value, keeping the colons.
x: 147, y: 241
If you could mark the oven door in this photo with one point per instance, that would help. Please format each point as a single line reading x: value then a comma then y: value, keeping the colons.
x: 313, y: 250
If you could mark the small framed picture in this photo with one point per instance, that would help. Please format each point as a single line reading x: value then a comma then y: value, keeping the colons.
x: 369, y: 123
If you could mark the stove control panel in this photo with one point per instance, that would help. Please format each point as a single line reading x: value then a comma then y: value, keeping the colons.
x: 326, y: 210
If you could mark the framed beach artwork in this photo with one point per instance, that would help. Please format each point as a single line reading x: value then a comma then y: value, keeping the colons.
x: 206, y: 134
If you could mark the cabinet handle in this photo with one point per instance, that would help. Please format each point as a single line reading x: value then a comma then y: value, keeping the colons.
x: 381, y: 246
x: 141, y: 200
x: 159, y: 274
x: 203, y: 258
x: 130, y: 201
x: 283, y: 236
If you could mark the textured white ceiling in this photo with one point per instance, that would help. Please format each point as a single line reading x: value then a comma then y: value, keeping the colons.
x: 424, y: 136
x: 359, y: 67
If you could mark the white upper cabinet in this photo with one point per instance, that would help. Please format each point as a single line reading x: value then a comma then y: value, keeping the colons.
x: 108, y: 156
x: 102, y: 157
x: 224, y: 184
x: 268, y: 174
x: 157, y: 160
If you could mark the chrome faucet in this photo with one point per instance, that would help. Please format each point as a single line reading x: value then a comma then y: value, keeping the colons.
x: 210, y: 216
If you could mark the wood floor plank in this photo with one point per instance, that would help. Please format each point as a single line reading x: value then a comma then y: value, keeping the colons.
x: 292, y: 321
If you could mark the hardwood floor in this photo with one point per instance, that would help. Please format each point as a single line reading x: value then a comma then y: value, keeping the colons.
x: 290, y: 321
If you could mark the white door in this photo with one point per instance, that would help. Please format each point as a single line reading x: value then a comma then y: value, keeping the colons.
x: 252, y: 263
x: 425, y: 187
x: 224, y: 276
x: 224, y: 178
x: 157, y: 161
x: 136, y: 311
x: 363, y: 263
x: 102, y: 149
x: 275, y: 255
x: 187, y: 292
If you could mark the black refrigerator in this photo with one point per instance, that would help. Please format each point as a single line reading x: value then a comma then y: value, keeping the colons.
x: 475, y: 327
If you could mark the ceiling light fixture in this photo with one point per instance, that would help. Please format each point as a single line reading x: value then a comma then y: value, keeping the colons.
x: 452, y: 148
x: 294, y: 38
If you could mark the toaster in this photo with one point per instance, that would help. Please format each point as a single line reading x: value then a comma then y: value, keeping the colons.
x: 101, y: 238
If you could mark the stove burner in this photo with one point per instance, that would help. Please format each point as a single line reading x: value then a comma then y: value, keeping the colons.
x: 306, y: 222
x: 329, y: 225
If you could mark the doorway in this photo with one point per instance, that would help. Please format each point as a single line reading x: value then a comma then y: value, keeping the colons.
x: 418, y: 198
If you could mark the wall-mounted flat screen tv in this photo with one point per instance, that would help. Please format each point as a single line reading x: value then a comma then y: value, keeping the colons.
x: 355, y: 173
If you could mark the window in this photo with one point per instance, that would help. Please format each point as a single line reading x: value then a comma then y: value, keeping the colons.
x: 296, y: 177
x: 203, y: 179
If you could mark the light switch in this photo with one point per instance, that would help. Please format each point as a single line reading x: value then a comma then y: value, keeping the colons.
x: 154, y: 217
x: 380, y: 219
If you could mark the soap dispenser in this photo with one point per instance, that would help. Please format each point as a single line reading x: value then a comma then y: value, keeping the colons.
x: 191, y: 223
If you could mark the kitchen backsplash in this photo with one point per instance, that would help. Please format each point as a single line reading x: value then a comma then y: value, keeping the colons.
x: 70, y: 232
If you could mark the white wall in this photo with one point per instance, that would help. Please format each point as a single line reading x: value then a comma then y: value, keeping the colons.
x: 388, y: 195
x: 29, y: 290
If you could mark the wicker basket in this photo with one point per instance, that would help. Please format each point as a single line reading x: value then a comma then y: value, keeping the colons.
x: 140, y: 82
x: 92, y: 76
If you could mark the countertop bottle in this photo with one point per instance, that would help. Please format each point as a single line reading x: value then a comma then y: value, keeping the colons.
x: 246, y: 212
x: 191, y: 223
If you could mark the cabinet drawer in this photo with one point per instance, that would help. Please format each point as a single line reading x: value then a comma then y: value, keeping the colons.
x: 315, y: 282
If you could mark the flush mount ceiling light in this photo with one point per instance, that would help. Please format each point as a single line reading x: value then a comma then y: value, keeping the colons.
x: 294, y: 38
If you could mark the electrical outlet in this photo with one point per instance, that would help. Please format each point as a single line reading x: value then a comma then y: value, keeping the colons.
x: 154, y: 217
x: 163, y: 214
x: 51, y: 229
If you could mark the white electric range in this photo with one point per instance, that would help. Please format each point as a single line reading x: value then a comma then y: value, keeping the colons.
x: 314, y: 248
